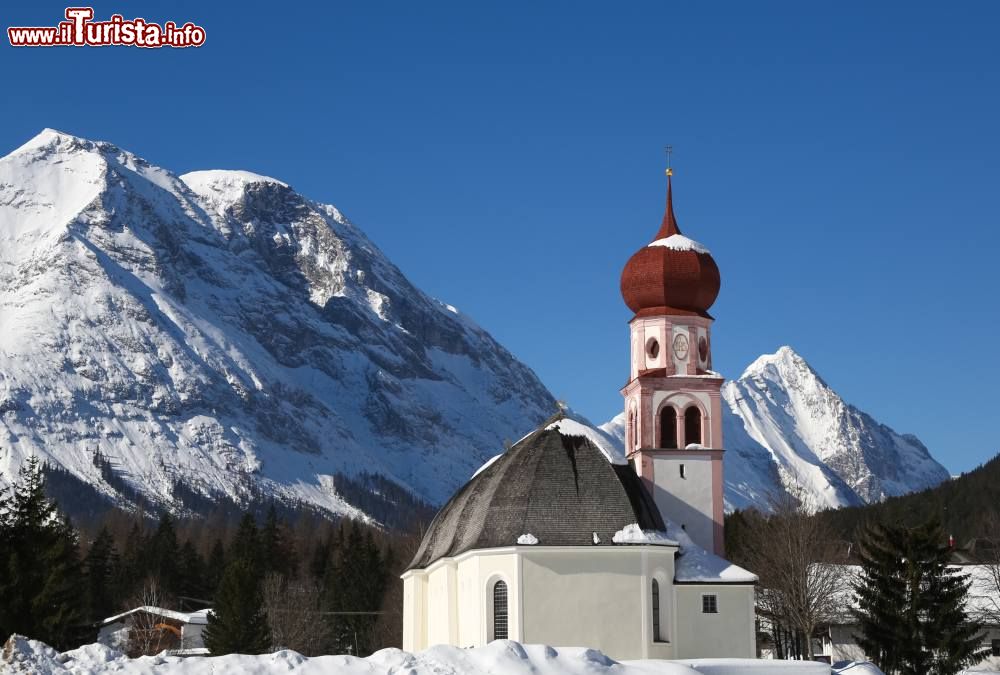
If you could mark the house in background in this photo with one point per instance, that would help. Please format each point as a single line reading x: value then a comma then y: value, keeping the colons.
x: 151, y: 630
x: 563, y: 541
x: 836, y: 641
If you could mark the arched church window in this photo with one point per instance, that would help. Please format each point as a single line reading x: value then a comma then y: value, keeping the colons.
x: 692, y: 425
x: 499, y: 610
x: 657, y: 636
x: 668, y: 427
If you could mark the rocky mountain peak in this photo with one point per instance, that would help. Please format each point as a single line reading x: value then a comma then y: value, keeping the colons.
x: 785, y: 429
x: 220, y: 334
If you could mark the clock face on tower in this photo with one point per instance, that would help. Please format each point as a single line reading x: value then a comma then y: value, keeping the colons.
x: 681, y: 346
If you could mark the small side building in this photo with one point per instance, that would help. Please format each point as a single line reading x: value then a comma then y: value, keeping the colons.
x: 558, y: 541
x: 151, y: 630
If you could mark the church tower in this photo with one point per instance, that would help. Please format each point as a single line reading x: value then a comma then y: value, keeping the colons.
x: 673, y: 405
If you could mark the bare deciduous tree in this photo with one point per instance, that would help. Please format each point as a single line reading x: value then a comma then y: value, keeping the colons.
x: 800, y: 562
x: 147, y: 634
x: 294, y: 615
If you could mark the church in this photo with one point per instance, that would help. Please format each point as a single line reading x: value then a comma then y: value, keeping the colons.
x: 564, y: 541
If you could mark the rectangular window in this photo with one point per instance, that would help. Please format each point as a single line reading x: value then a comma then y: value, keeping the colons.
x: 709, y: 604
x: 996, y: 648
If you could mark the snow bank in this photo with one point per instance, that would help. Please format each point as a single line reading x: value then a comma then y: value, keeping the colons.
x: 856, y: 668
x: 502, y: 657
x: 755, y: 667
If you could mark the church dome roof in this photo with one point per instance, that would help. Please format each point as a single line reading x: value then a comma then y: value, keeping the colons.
x: 558, y: 487
x: 672, y: 274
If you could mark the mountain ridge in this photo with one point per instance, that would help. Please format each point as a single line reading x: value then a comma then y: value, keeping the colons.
x: 786, y: 431
x: 231, y: 334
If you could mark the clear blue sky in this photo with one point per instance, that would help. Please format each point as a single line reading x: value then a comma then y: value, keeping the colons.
x: 840, y: 160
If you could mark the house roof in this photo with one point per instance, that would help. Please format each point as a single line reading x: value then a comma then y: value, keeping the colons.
x: 554, y: 487
x: 199, y: 617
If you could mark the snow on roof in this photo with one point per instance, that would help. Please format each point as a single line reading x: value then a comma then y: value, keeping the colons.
x: 487, y: 464
x: 199, y: 617
x: 678, y: 242
x: 567, y: 426
x: 633, y: 534
x: 695, y: 564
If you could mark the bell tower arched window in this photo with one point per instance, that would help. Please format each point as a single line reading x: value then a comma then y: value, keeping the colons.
x: 668, y: 427
x: 499, y: 627
x: 692, y: 425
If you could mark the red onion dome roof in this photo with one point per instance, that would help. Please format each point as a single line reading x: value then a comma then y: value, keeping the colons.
x: 672, y: 274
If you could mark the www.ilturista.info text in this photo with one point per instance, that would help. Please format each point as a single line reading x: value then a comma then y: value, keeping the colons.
x: 80, y: 30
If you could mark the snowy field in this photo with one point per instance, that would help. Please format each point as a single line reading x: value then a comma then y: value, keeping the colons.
x: 21, y: 655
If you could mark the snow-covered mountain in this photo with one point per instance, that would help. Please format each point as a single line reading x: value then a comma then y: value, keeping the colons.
x: 219, y: 331
x: 785, y: 429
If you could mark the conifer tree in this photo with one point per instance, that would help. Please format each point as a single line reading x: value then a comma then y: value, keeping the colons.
x: 132, y: 566
x: 163, y: 556
x: 99, y: 570
x: 191, y: 572
x: 237, y: 623
x: 39, y: 595
x: 277, y: 552
x: 246, y: 543
x: 216, y: 566
x: 60, y: 615
x: 320, y: 560
x: 6, y: 588
x: 911, y: 604
x: 356, y: 583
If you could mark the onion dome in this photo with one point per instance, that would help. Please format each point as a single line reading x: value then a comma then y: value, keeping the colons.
x: 555, y: 487
x: 672, y: 274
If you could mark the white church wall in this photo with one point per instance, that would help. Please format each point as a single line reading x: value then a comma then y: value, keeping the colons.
x: 440, y: 597
x: 477, y: 574
x: 687, y: 501
x: 449, y: 603
x: 414, y: 611
x: 726, y: 633
x: 598, y: 597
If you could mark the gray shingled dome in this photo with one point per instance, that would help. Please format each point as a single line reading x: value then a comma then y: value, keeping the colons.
x: 561, y: 489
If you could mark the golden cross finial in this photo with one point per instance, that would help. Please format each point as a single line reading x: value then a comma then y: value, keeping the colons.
x: 669, y: 150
